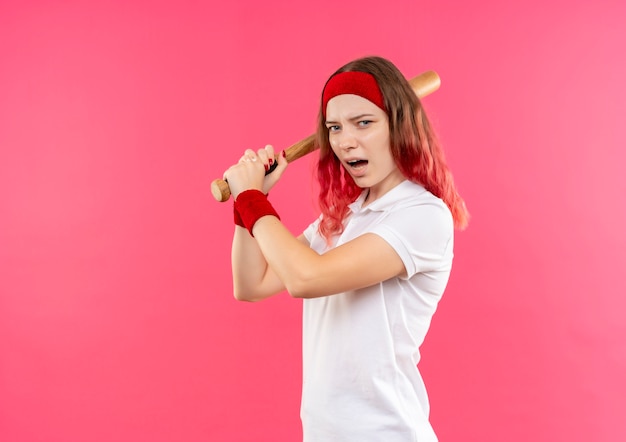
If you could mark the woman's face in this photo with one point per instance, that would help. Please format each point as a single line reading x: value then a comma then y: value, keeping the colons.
x: 358, y: 132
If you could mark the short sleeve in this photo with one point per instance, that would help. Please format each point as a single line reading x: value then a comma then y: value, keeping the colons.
x: 312, y: 235
x: 310, y: 232
x: 422, y: 235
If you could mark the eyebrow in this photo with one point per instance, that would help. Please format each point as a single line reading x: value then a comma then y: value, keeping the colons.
x: 357, y: 117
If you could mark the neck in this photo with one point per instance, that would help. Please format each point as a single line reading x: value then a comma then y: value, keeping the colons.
x: 377, y: 191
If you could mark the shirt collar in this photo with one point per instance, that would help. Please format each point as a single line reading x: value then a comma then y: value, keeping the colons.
x: 403, y: 190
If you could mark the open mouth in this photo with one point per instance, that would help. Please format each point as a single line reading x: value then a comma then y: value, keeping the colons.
x: 357, y: 164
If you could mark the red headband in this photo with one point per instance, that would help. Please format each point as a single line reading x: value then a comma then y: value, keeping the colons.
x: 353, y: 82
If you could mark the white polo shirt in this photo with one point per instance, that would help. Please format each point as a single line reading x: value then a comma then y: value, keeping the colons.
x: 361, y: 348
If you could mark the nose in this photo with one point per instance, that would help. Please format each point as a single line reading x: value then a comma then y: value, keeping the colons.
x: 346, y: 140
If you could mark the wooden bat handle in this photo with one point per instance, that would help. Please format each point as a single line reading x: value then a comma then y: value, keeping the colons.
x: 424, y: 84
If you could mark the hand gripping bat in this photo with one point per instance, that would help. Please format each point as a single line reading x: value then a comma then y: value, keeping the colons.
x: 424, y: 84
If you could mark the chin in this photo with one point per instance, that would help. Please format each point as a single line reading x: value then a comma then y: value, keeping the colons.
x: 362, y: 183
x: 365, y: 181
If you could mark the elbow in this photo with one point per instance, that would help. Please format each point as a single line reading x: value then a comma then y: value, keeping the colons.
x: 297, y: 294
x: 305, y: 294
x: 244, y: 296
x: 303, y: 288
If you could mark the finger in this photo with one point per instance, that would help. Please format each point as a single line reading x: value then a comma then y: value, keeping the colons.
x: 248, y: 156
x: 264, y: 160
x: 271, y: 164
x: 251, y: 155
x: 282, y: 160
x: 269, y: 151
x: 262, y: 154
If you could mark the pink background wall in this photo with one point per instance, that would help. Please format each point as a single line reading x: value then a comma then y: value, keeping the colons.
x: 116, y: 315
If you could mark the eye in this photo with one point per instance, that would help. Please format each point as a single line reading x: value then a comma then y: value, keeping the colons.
x: 364, y: 123
x: 333, y: 128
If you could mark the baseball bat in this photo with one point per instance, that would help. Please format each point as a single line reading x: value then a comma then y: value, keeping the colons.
x: 424, y: 84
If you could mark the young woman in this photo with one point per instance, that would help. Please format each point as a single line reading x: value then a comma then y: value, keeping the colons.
x: 371, y: 268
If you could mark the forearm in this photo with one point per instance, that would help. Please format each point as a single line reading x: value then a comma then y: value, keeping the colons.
x: 290, y: 258
x: 307, y: 274
x: 252, y: 278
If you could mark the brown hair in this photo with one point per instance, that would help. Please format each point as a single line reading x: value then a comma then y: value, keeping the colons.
x: 414, y: 147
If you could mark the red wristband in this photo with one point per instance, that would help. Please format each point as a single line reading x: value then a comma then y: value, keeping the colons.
x: 237, y: 217
x: 251, y: 205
